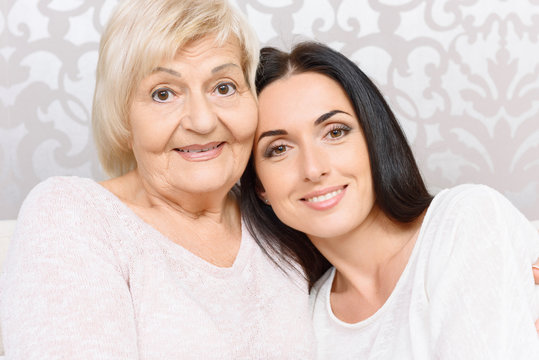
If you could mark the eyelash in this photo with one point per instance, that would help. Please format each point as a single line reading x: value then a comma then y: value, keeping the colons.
x: 229, y: 84
x: 156, y: 92
x: 270, y: 152
x: 345, y: 129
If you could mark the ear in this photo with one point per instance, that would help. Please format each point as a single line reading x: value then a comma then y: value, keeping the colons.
x: 262, y: 196
x: 261, y: 192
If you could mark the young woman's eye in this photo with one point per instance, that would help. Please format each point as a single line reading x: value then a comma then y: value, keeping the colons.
x: 338, y: 132
x: 162, y: 95
x: 276, y: 150
x: 225, y: 89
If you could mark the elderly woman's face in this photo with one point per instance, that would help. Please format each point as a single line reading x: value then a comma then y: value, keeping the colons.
x: 193, y: 119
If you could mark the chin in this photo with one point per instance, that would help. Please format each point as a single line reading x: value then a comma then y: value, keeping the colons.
x: 208, y: 180
x: 204, y: 187
x: 326, y: 230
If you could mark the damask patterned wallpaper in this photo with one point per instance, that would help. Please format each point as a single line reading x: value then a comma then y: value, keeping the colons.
x: 462, y: 77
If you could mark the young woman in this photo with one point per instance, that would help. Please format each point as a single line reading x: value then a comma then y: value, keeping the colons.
x: 414, y: 276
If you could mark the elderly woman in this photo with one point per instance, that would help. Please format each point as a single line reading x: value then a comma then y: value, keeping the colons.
x: 154, y: 263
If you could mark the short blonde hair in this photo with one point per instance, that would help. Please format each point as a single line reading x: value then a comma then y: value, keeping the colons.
x: 139, y: 36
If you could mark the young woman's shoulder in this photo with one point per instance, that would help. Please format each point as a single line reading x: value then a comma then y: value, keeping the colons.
x: 472, y: 227
x: 476, y: 207
x: 472, y: 196
x: 478, y: 252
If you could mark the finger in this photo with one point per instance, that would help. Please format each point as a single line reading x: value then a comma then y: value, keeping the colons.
x: 537, y: 326
x: 535, y: 269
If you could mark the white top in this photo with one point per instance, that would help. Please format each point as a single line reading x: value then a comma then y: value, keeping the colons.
x: 467, y: 291
x: 85, y: 278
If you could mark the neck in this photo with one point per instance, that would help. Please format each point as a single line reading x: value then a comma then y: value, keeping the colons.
x: 368, y: 261
x: 368, y: 246
x: 207, y: 224
x: 212, y: 205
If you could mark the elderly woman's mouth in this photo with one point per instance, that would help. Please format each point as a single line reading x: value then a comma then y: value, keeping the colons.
x: 200, y: 148
x: 201, y: 152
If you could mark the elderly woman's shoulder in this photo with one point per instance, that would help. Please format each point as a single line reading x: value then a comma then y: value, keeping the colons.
x: 59, y: 187
x: 60, y: 194
x: 63, y: 210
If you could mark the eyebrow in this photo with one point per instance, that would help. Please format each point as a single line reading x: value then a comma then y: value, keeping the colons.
x: 177, y: 74
x: 272, y: 133
x: 224, y: 66
x: 170, y: 71
x: 328, y: 115
x: 318, y: 121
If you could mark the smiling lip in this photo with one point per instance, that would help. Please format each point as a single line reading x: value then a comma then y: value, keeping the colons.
x: 202, y: 152
x: 324, y: 199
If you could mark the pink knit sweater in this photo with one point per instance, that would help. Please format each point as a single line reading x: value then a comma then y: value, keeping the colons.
x: 86, y: 278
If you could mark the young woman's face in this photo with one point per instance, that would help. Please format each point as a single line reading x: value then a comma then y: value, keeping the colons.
x: 311, y: 156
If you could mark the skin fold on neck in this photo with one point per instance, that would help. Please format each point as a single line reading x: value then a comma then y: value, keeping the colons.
x: 210, y: 225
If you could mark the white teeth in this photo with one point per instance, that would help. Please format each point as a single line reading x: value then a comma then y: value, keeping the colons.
x: 199, y: 150
x: 325, y: 197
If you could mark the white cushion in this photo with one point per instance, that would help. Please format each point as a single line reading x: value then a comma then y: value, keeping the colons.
x: 6, y: 231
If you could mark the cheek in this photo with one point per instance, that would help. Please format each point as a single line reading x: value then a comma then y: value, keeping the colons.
x: 144, y: 138
x: 244, y: 126
x: 148, y: 133
x: 264, y: 175
x: 275, y: 182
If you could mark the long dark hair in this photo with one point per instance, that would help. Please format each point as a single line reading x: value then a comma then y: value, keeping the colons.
x: 398, y: 186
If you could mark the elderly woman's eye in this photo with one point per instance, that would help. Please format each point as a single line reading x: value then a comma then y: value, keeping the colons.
x: 225, y: 89
x: 162, y: 95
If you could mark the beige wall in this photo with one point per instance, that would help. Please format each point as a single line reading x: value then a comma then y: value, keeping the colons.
x: 462, y: 77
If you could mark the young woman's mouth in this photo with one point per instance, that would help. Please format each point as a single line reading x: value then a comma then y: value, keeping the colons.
x: 325, y: 198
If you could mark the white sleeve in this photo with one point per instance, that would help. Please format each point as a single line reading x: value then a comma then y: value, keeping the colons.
x: 483, y: 297
x: 63, y: 295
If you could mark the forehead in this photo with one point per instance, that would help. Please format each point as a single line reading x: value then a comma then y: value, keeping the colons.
x: 302, y: 96
x: 208, y: 49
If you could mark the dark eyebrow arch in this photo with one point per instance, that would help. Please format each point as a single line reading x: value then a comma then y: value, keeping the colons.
x: 272, y: 133
x: 328, y: 115
x: 318, y: 121
x: 221, y: 67
x: 170, y: 71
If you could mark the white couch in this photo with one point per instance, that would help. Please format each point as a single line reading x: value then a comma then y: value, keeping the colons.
x: 6, y: 231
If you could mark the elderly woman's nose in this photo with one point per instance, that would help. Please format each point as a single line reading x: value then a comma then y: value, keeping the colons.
x: 200, y: 116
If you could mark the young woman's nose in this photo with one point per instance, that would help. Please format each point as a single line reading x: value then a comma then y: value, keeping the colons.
x: 315, y: 163
x: 199, y: 115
